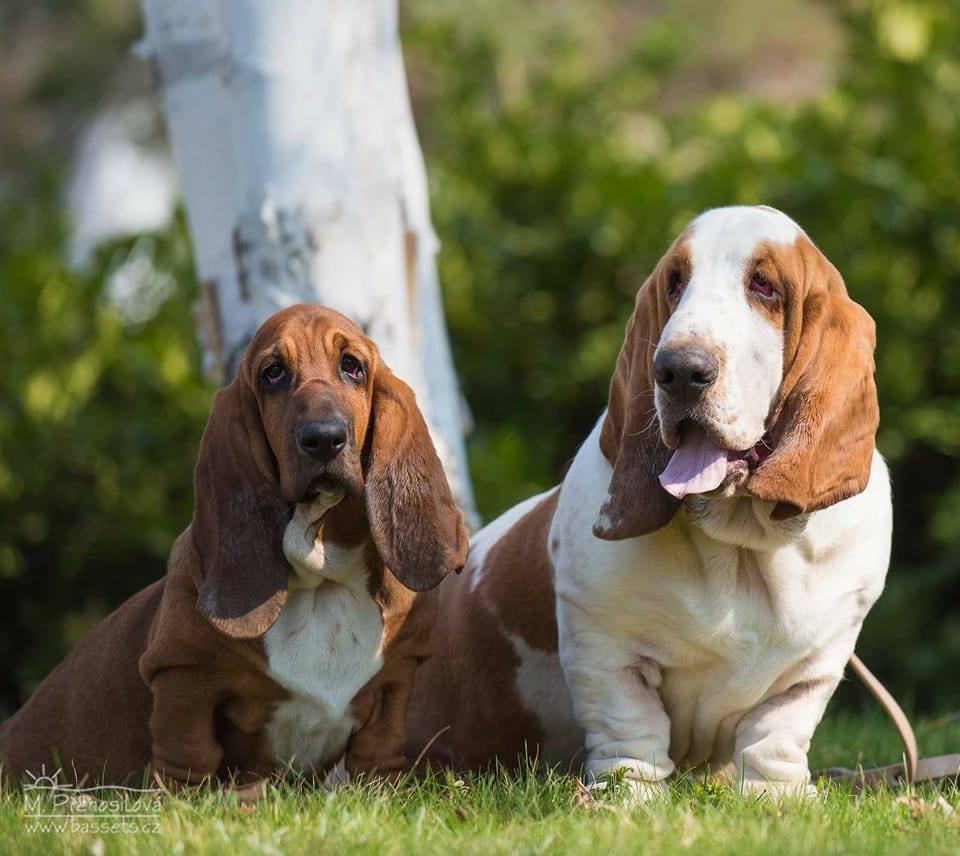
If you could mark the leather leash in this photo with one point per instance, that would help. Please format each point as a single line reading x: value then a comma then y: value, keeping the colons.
x: 913, y: 769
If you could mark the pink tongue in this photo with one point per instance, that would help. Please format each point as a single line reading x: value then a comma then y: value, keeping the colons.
x: 697, y: 466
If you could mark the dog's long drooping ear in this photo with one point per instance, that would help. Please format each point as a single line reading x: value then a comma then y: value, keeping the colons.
x: 416, y: 526
x: 825, y: 422
x: 239, y: 518
x: 636, y: 503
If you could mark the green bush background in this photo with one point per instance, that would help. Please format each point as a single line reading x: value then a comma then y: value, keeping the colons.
x: 556, y: 184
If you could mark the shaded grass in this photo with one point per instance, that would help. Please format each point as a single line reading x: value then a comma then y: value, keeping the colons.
x: 527, y: 813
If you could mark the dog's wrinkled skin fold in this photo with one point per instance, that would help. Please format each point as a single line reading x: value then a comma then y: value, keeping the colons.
x: 288, y: 628
x: 708, y: 632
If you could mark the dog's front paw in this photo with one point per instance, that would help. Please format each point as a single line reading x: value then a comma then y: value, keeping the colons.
x: 761, y: 789
x: 633, y: 791
x: 337, y: 776
x: 625, y: 778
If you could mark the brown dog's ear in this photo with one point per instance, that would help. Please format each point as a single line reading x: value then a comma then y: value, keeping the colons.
x: 636, y: 503
x: 238, y: 519
x: 825, y: 422
x: 415, y: 524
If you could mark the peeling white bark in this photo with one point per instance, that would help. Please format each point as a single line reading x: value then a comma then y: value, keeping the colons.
x: 304, y: 182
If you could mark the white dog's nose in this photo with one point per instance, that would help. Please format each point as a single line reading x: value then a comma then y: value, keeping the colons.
x: 685, y: 373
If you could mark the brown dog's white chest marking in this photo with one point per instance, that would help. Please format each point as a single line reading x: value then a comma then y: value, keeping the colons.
x: 326, y: 644
x: 268, y: 638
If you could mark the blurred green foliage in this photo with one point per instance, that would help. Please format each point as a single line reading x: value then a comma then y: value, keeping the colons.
x: 557, y: 182
x: 99, y: 426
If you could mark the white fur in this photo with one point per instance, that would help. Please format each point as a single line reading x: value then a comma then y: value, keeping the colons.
x: 716, y: 311
x: 541, y: 687
x: 325, y: 645
x: 723, y: 635
x: 732, y: 607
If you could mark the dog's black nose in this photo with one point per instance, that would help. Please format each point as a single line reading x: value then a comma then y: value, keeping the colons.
x: 685, y: 373
x: 322, y: 440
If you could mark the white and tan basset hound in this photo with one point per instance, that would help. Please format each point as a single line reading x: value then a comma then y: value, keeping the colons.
x: 690, y: 594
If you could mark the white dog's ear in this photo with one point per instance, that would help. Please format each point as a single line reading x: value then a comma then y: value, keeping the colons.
x: 825, y: 422
x: 636, y: 503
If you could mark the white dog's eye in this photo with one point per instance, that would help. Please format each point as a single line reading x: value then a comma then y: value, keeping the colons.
x: 674, y: 285
x: 759, y: 284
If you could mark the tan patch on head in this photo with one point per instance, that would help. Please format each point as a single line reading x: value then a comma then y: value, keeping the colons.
x: 825, y: 419
x: 676, y: 268
x: 777, y: 263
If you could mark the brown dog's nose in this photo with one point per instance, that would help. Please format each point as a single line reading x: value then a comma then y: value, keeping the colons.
x: 322, y: 440
x: 685, y: 373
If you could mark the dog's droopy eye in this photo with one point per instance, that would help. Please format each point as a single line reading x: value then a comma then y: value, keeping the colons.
x: 674, y: 285
x: 759, y: 284
x: 274, y: 373
x: 351, y: 367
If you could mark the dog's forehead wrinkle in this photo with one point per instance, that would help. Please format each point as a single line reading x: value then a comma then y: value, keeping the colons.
x: 730, y: 236
x: 313, y: 345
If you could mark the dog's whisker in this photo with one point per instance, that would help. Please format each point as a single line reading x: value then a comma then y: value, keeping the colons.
x: 650, y: 424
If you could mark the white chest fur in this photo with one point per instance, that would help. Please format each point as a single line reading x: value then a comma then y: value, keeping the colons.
x: 732, y: 610
x: 324, y: 647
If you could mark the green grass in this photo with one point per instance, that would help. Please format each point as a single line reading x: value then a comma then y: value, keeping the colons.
x: 499, y: 813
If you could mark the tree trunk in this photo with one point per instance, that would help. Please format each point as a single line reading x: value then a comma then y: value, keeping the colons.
x: 304, y: 182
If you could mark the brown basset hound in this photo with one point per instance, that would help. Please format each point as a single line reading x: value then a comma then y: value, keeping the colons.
x: 296, y: 605
x: 689, y: 595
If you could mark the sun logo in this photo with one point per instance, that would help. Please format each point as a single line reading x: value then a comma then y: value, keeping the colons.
x: 43, y: 782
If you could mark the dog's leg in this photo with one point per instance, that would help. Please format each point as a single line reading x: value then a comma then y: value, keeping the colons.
x: 617, y: 703
x: 185, y: 748
x: 378, y: 747
x: 772, y: 740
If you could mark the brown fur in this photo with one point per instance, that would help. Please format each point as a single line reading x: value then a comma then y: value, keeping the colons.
x: 466, y: 696
x: 825, y: 420
x: 175, y: 681
x: 629, y: 439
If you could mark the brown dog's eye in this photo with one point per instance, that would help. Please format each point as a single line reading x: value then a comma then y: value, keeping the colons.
x: 274, y: 373
x: 351, y: 367
x: 759, y: 284
x: 674, y: 285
